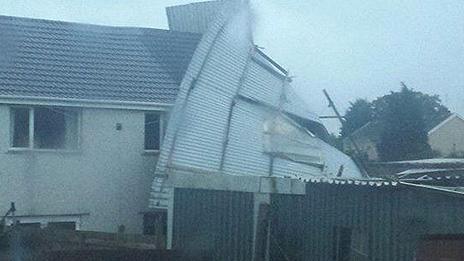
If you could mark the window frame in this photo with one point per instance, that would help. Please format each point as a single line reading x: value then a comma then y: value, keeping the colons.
x: 161, y: 131
x: 30, y: 146
x: 44, y: 220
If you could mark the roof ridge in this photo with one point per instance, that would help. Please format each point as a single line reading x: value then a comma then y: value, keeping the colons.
x: 19, y: 20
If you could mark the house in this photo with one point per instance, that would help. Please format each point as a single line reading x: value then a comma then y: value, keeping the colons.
x: 98, y: 120
x: 83, y: 109
x: 446, y: 138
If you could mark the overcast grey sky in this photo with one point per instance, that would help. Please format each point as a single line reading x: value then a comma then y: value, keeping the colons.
x: 353, y: 48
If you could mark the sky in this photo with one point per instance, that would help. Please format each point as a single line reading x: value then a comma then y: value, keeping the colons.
x: 352, y: 48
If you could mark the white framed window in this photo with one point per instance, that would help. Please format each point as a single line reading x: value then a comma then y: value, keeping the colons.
x: 153, y: 131
x: 44, y: 128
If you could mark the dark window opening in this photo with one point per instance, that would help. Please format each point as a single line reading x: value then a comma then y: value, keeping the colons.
x: 20, y: 118
x: 52, y: 128
x: 62, y: 225
x: 152, y: 131
x: 55, y: 128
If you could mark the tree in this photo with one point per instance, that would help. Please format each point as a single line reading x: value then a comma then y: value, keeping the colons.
x: 402, y: 118
x: 358, y: 114
x: 433, y: 110
x: 404, y: 132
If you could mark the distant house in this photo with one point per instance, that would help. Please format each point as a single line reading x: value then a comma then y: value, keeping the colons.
x: 446, y: 138
x: 366, y: 138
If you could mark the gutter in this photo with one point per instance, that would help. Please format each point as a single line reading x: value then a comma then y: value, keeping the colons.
x: 31, y: 100
x: 432, y: 188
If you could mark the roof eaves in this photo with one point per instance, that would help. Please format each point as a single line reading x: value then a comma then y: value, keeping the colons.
x: 53, y: 101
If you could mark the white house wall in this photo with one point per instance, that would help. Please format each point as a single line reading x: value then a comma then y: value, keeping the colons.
x: 106, y: 180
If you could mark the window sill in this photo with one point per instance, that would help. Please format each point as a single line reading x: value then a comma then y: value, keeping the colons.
x: 150, y: 152
x: 29, y: 150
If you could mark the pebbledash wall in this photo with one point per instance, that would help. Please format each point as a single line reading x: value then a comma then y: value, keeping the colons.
x: 389, y: 221
x: 103, y: 184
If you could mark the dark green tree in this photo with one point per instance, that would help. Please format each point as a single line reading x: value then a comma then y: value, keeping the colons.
x: 358, y: 114
x: 433, y: 110
x: 404, y: 132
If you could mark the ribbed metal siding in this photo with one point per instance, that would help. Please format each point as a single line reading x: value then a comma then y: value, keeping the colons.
x: 262, y: 85
x: 195, y: 132
x: 286, y: 168
x: 245, y: 154
x: 217, y: 224
x: 394, y: 219
x: 201, y: 134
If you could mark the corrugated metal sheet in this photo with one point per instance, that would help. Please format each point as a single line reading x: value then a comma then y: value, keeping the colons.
x: 262, y: 85
x: 392, y: 218
x: 215, y: 224
x: 246, y: 141
x: 286, y: 168
x: 179, y: 118
x: 200, y: 135
x: 225, y: 99
x: 194, y: 17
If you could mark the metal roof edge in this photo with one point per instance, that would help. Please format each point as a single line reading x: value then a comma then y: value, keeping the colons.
x: 240, y: 183
x: 436, y: 189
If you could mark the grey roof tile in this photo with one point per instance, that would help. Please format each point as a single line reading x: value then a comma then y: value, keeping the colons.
x: 42, y: 58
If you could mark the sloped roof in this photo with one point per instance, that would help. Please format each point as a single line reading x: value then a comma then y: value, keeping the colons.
x: 444, y: 122
x: 53, y: 59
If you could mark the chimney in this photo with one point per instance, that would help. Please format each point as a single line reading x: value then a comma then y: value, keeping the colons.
x: 194, y: 17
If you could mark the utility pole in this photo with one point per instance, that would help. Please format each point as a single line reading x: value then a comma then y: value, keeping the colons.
x: 355, y: 145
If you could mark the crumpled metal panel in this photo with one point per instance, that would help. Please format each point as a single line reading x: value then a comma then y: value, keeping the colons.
x: 200, y: 135
x: 226, y: 99
x: 286, y: 168
x: 334, y: 159
x: 286, y: 138
x: 296, y: 106
x: 195, y: 132
x: 193, y: 17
